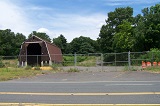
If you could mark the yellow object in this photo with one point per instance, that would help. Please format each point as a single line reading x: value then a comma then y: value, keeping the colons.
x: 46, y: 68
x: 43, y: 68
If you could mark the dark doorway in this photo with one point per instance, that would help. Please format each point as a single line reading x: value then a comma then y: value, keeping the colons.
x: 34, y: 54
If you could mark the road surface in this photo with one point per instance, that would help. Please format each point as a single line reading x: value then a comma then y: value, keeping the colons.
x: 84, y: 88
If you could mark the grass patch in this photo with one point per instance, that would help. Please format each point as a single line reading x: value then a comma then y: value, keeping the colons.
x: 28, y: 68
x: 90, y: 61
x: 10, y: 62
x: 80, y: 60
x: 73, y: 70
x: 153, y: 69
x: 132, y: 68
x: 1, y: 63
x: 16, y: 73
x: 37, y: 68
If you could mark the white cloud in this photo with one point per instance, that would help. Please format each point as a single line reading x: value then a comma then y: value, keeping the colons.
x: 43, y: 30
x: 12, y: 17
x: 47, y: 31
x: 72, y: 26
x: 25, y: 21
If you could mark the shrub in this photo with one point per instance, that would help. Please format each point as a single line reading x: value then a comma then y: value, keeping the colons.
x: 153, y: 55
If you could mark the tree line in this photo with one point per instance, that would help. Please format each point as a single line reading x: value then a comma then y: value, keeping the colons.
x: 122, y: 32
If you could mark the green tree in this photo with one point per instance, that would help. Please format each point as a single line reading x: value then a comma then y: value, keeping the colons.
x: 123, y: 39
x: 19, y: 39
x: 147, y: 29
x: 68, y: 49
x: 105, y: 39
x: 43, y: 36
x: 61, y: 42
x: 86, y: 48
x: 139, y: 33
x: 7, y: 41
x: 118, y: 16
x: 152, y: 26
x: 108, y: 31
x: 10, y: 43
x: 83, y: 45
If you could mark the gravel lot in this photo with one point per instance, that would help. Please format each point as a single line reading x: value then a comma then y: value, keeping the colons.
x: 102, y: 68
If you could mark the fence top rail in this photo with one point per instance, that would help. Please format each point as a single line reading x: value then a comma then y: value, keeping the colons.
x: 116, y: 53
x: 138, y: 52
x: 90, y: 54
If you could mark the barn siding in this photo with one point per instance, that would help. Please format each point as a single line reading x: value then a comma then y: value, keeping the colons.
x: 55, y: 53
x: 49, y: 52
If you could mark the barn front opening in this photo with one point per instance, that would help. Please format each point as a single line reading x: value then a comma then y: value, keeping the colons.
x: 34, y: 54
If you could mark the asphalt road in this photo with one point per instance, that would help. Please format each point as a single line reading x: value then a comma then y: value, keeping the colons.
x: 84, y: 88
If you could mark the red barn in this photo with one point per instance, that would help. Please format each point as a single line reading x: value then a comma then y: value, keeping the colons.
x: 36, y: 51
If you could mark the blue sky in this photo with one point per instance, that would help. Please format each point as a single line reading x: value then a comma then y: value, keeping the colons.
x: 72, y: 18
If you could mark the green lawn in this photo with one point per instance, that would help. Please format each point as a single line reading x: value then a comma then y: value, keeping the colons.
x: 155, y: 69
x: 16, y: 73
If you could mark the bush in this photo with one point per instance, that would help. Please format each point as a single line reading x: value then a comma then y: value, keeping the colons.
x: 153, y: 55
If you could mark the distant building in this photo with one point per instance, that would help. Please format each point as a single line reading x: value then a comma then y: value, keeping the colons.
x: 36, y: 51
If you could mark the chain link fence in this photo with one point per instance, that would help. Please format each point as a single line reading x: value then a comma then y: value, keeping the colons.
x: 88, y: 62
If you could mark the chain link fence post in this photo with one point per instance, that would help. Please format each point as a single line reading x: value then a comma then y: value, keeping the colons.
x: 115, y: 60
x: 129, y: 61
x: 75, y: 60
x: 101, y: 61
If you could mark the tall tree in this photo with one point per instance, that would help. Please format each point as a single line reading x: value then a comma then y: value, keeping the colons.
x: 105, y: 39
x: 108, y: 31
x: 61, y: 42
x: 10, y: 43
x: 7, y: 41
x: 43, y: 36
x: 139, y: 33
x: 19, y: 39
x: 147, y: 29
x: 123, y: 39
x: 86, y: 48
x: 152, y: 26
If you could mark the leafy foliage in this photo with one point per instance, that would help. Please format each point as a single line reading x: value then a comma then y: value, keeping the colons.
x: 43, y: 36
x: 152, y: 55
x: 123, y: 39
x: 61, y: 42
x: 108, y: 31
x: 83, y: 45
x: 10, y: 42
x: 123, y: 32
